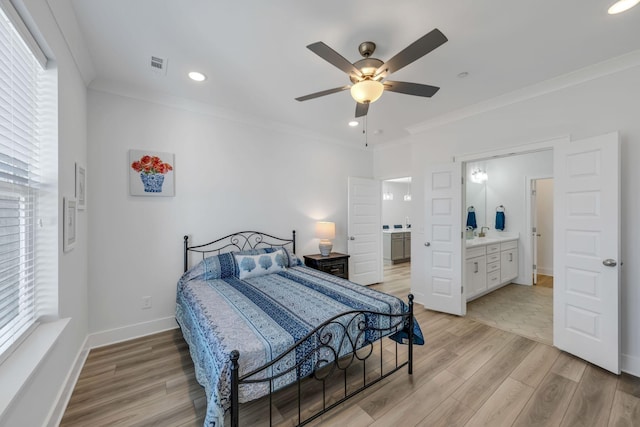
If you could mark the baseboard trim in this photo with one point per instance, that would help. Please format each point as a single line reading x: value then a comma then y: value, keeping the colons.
x: 545, y: 271
x: 418, y: 297
x: 125, y: 333
x: 55, y: 417
x: 630, y: 364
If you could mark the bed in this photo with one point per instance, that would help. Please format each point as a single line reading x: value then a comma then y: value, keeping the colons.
x: 257, y: 321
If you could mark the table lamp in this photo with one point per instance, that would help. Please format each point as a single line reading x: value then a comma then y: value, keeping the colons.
x: 325, y: 231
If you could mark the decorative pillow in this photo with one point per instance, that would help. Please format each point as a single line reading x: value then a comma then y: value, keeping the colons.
x: 218, y: 266
x: 257, y: 251
x: 292, y: 258
x: 259, y: 265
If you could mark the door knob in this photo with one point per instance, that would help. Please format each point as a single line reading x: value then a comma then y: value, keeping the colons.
x: 352, y: 238
x: 609, y: 262
x: 428, y: 244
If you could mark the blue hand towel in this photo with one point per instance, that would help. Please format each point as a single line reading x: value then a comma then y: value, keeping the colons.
x: 500, y: 220
x: 471, y: 220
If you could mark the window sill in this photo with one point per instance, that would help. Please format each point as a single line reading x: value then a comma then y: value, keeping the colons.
x: 24, y: 361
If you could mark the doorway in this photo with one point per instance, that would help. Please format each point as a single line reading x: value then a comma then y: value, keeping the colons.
x: 586, y: 292
x: 396, y: 229
x: 499, y: 206
x: 542, y: 231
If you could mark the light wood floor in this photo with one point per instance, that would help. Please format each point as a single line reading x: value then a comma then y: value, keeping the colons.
x: 468, y: 374
x: 545, y: 281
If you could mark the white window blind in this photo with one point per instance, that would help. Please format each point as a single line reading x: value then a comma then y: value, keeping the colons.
x: 20, y: 74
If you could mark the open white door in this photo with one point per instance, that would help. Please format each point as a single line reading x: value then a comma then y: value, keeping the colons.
x: 534, y: 230
x: 443, y: 238
x: 365, y: 231
x: 587, y: 250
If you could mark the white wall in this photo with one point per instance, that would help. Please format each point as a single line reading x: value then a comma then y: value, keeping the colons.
x: 33, y: 405
x: 230, y: 176
x: 396, y: 211
x: 604, y: 103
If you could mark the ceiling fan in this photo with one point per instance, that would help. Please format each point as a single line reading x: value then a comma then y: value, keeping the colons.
x: 368, y: 75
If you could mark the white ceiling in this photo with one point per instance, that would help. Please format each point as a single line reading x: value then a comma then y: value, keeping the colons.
x: 254, y: 54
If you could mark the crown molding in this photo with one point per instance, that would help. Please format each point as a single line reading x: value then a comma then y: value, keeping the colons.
x: 67, y: 23
x: 185, y: 104
x: 592, y: 72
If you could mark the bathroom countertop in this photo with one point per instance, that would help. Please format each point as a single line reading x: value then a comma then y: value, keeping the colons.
x: 396, y: 230
x: 492, y: 238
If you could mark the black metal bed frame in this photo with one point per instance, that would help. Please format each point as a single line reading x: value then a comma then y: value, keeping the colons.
x: 354, y: 343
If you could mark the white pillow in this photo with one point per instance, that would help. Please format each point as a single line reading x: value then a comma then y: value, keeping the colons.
x: 259, y: 265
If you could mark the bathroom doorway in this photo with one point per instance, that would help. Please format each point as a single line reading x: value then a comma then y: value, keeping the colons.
x: 521, y: 186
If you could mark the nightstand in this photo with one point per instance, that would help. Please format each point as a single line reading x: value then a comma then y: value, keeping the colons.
x: 336, y: 263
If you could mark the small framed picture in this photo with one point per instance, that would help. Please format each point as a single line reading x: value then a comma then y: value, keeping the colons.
x: 81, y: 187
x: 70, y: 228
x: 151, y: 173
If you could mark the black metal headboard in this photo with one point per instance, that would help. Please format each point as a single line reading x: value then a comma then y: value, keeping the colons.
x: 240, y: 241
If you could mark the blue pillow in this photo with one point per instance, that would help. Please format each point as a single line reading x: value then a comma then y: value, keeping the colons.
x: 224, y: 265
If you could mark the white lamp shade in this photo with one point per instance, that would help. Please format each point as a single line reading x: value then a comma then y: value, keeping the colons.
x: 325, y: 230
x: 367, y: 91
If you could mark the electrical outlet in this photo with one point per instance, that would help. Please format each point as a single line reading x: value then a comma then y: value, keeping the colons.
x: 146, y: 302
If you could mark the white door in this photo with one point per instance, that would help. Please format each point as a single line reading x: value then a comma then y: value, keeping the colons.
x: 534, y: 230
x: 587, y: 250
x: 443, y: 238
x: 365, y: 231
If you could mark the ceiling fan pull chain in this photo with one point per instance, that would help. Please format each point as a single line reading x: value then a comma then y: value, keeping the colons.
x: 364, y: 130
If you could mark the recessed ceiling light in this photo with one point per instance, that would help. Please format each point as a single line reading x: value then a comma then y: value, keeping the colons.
x: 464, y: 74
x: 198, y: 77
x: 353, y: 123
x: 621, y: 6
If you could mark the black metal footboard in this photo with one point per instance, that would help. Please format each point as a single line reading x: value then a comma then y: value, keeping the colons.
x: 334, y: 346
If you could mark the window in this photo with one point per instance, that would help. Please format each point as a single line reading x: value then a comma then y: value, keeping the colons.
x: 20, y: 108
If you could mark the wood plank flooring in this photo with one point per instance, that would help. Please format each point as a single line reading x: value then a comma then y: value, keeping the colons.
x: 545, y: 281
x: 468, y: 374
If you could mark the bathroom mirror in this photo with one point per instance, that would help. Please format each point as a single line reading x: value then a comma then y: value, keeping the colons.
x: 476, y: 194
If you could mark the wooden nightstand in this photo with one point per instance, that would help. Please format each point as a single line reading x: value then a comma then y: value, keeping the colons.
x: 336, y: 263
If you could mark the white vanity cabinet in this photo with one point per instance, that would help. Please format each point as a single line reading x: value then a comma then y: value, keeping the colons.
x: 489, y: 266
x: 493, y: 265
x: 508, y: 261
x: 476, y: 272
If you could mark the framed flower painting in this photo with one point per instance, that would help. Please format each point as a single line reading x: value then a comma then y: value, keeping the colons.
x: 151, y: 173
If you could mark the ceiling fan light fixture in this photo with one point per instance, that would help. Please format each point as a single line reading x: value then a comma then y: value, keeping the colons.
x: 367, y: 91
x: 621, y: 6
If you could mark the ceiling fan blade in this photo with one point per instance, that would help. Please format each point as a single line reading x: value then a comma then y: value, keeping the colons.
x: 415, y: 50
x: 362, y: 109
x: 333, y: 58
x: 416, y: 89
x: 322, y: 93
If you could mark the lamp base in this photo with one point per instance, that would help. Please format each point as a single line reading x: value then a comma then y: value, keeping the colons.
x: 325, y: 247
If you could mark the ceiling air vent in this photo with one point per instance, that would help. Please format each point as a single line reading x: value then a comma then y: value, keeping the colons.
x: 159, y: 65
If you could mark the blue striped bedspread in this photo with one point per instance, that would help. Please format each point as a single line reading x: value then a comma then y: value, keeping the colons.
x: 263, y: 316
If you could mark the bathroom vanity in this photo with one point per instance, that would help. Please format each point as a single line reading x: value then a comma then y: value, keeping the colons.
x: 396, y: 245
x: 490, y: 262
